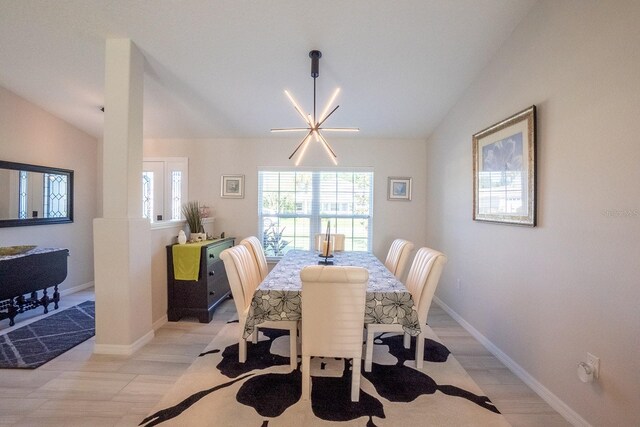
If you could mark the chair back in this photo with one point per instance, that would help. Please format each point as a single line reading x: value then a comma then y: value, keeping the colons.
x: 333, y: 302
x: 423, y: 278
x: 398, y: 256
x: 243, y: 275
x: 253, y: 244
x: 337, y: 239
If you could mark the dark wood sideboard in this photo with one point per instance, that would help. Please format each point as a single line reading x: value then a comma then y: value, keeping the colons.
x: 199, y: 298
x: 23, y: 276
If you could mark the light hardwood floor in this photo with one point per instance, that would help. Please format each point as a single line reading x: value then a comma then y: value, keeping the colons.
x: 520, y: 405
x: 80, y: 388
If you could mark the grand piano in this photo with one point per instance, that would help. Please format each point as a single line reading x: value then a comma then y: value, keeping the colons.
x: 26, y: 277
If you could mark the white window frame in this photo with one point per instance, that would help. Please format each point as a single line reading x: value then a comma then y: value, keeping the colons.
x: 315, y: 216
x: 169, y: 165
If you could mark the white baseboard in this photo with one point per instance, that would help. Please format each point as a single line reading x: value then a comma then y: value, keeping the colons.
x: 554, y: 401
x: 160, y: 322
x: 124, y: 350
x: 75, y: 289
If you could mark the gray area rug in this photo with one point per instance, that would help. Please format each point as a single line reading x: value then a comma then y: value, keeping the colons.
x: 35, y: 344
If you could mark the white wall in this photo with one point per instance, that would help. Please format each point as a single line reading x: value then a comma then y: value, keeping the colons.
x: 210, y: 158
x: 29, y: 134
x: 546, y: 296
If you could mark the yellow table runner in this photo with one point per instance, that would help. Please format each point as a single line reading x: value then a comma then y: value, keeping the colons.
x: 186, y: 260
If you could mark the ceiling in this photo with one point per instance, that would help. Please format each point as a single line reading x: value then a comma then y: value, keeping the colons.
x: 218, y: 69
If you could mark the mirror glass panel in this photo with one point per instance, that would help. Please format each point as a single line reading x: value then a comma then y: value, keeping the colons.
x: 34, y: 195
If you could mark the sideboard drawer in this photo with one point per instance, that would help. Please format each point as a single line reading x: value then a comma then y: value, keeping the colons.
x: 217, y: 283
x: 213, y: 252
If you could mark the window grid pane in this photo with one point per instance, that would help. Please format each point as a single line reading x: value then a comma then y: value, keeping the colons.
x: 295, y: 205
x: 55, y: 195
x: 22, y: 194
x: 147, y: 194
x: 176, y: 194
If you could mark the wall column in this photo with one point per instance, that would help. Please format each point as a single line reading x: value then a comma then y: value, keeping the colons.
x: 122, y: 255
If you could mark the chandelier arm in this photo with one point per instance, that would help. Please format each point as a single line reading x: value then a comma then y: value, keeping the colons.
x: 342, y: 129
x: 326, y: 144
x: 297, y: 108
x: 326, y: 108
x: 325, y: 119
x: 288, y: 129
x: 300, y: 145
x: 306, y: 119
x: 303, y: 150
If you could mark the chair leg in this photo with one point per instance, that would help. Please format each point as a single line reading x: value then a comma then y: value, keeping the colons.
x: 306, y: 377
x: 255, y: 335
x: 242, y: 350
x: 293, y: 347
x: 369, y: 351
x: 407, y: 340
x: 355, y: 379
x: 420, y: 351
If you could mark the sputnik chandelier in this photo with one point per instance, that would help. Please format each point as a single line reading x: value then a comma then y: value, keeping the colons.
x: 314, y: 123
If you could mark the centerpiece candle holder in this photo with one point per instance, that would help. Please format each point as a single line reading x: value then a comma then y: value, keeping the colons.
x: 326, y: 247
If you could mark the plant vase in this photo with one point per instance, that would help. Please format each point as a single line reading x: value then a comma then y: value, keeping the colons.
x: 198, y: 237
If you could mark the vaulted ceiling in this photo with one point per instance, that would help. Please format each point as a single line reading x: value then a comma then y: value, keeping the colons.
x: 217, y: 69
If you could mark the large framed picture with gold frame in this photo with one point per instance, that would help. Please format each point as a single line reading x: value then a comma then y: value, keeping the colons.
x: 504, y: 171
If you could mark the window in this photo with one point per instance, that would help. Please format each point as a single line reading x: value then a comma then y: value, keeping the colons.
x: 164, y: 187
x: 147, y: 194
x: 42, y: 194
x: 55, y: 195
x: 293, y: 206
x: 23, y: 194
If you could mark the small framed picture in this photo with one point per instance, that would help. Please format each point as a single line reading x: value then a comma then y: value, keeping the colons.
x: 399, y: 188
x: 232, y: 186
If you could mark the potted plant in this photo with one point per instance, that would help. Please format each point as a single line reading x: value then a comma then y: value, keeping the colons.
x: 273, y: 243
x: 191, y: 212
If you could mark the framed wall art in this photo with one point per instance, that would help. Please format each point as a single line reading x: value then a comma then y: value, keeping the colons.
x: 504, y: 171
x: 399, y: 188
x: 232, y: 186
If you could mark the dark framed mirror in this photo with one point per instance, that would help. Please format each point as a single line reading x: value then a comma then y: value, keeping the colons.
x: 34, y: 195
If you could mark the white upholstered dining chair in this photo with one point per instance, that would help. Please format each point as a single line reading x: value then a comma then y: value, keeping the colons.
x: 398, y: 256
x: 338, y: 241
x: 333, y: 301
x: 422, y: 281
x: 253, y: 244
x: 244, y: 278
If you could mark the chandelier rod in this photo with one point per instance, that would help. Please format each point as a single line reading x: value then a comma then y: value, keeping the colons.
x: 300, y: 145
x: 325, y: 119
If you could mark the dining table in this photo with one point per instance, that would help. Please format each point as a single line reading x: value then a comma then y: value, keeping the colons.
x: 278, y: 297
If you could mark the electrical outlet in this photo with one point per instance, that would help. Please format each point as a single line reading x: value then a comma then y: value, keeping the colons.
x: 595, y: 362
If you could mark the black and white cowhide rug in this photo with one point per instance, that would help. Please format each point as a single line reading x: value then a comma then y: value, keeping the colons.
x: 218, y: 391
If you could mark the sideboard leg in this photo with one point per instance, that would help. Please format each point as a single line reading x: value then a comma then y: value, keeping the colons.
x: 56, y: 297
x: 45, y: 300
x: 12, y: 310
